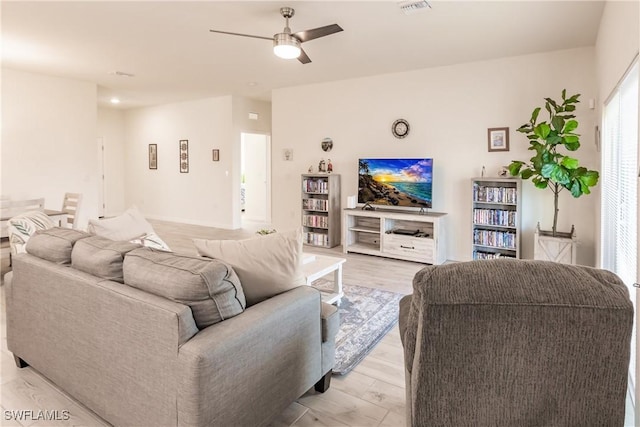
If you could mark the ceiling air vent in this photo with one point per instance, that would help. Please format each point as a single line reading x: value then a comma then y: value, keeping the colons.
x: 409, y: 7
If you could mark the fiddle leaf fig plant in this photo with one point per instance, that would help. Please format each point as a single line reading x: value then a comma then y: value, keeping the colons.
x: 549, y: 167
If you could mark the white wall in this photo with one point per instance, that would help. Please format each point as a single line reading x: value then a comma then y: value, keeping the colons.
x: 617, y: 44
x: 201, y: 196
x: 111, y: 127
x: 49, y: 139
x: 449, y: 110
x: 210, y: 193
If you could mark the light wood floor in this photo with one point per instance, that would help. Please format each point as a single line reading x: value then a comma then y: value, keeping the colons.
x: 370, y: 395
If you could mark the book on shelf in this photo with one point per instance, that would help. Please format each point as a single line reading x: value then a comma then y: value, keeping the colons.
x: 503, y: 218
x: 489, y: 255
x: 314, y: 185
x: 496, y: 239
x: 507, y: 195
x: 317, y: 239
x: 315, y: 221
x: 315, y: 204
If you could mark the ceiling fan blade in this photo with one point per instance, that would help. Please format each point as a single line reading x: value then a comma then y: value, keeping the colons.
x: 305, y: 36
x: 303, y: 57
x: 243, y: 35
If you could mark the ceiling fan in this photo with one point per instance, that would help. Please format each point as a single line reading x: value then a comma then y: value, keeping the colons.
x: 287, y: 45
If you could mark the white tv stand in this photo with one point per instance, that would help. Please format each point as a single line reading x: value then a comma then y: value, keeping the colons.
x: 371, y: 232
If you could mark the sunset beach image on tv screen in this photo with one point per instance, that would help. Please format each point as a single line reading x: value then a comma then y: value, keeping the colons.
x: 395, y: 182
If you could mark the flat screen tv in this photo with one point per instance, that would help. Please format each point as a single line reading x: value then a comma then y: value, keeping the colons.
x: 395, y: 182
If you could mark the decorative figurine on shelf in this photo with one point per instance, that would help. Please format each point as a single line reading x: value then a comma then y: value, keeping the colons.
x: 321, y: 166
x: 310, y: 169
x: 329, y: 166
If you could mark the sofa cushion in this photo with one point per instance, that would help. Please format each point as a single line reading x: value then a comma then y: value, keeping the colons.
x: 22, y: 226
x: 210, y: 287
x: 266, y: 265
x: 101, y: 257
x: 55, y: 244
x: 130, y: 225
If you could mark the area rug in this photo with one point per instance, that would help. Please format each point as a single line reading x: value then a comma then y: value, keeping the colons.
x: 366, y: 315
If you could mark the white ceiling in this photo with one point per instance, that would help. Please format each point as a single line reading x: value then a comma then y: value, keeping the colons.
x: 169, y: 48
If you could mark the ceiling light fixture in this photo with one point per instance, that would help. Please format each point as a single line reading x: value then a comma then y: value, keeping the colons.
x: 286, y: 46
x: 114, y: 100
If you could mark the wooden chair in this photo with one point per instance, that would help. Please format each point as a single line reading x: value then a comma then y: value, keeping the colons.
x: 71, y: 205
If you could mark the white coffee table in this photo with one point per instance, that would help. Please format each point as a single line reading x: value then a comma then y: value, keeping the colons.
x: 318, y: 266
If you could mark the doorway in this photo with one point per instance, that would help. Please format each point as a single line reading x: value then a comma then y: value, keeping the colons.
x: 255, y: 179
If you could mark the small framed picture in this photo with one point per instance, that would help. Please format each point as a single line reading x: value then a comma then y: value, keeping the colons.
x: 153, y: 156
x: 498, y: 139
x: 184, y: 156
x: 216, y: 155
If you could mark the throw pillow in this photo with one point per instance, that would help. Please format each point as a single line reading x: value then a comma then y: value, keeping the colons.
x: 266, y: 266
x: 130, y: 225
x: 101, y: 257
x: 54, y: 244
x: 22, y: 226
x: 209, y: 287
x: 152, y: 240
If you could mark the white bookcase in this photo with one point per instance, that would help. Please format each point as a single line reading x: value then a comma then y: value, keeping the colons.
x: 321, y: 210
x: 495, y: 217
x: 377, y: 232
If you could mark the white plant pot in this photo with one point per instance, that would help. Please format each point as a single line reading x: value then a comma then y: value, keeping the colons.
x: 560, y: 248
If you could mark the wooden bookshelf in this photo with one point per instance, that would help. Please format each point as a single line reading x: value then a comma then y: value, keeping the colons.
x: 321, y: 210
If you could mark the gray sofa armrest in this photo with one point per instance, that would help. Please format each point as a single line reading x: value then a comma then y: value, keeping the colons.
x: 268, y: 354
x: 330, y: 322
x: 403, y: 316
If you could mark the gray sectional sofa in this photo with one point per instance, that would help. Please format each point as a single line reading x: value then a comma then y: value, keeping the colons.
x: 138, y: 358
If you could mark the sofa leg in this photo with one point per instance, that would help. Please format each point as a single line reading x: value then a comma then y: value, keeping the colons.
x: 323, y: 385
x: 19, y: 362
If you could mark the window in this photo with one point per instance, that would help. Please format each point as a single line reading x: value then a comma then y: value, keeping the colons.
x: 619, y: 227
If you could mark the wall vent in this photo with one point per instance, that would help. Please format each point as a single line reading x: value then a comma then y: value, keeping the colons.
x: 409, y: 7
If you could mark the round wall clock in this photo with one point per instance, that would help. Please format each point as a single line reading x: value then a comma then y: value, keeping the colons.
x: 400, y: 128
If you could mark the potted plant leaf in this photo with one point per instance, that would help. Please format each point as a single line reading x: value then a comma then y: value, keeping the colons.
x: 550, y: 168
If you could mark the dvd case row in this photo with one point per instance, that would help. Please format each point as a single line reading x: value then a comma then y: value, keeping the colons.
x: 315, y: 185
x: 315, y: 204
x: 482, y: 193
x: 504, y: 218
x: 489, y: 255
x: 498, y: 239
x: 317, y: 239
x: 315, y: 221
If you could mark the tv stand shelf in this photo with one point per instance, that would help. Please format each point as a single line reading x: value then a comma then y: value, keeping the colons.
x: 371, y: 232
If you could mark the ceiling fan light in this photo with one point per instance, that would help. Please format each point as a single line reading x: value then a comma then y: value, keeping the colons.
x: 285, y: 46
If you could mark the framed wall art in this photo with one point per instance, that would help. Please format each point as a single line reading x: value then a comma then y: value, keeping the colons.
x: 184, y: 156
x: 153, y: 156
x: 498, y: 139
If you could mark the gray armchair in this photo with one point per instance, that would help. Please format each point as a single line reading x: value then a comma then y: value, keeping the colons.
x: 516, y: 343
